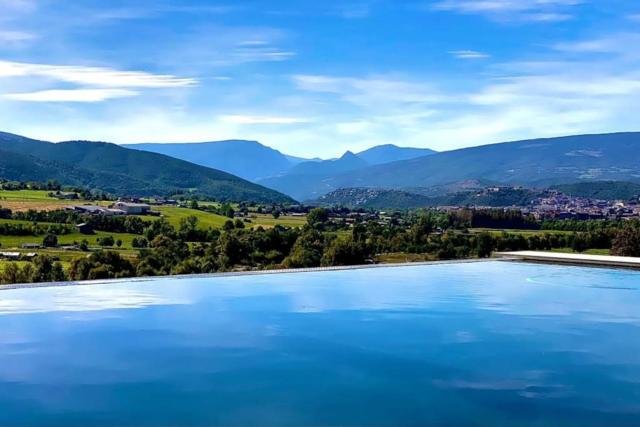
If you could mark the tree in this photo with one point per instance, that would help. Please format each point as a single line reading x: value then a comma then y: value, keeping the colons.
x: 345, y: 251
x: 238, y: 223
x: 227, y: 210
x: 484, y: 245
x: 101, y: 265
x: 139, y: 242
x: 230, y: 250
x: 157, y: 228
x: 580, y: 243
x: 118, y: 243
x: 627, y: 241
x: 307, y: 250
x: 10, y: 273
x: 5, y: 213
x: 106, y: 241
x: 317, y: 217
x: 45, y: 270
x: 84, y: 245
x: 50, y: 241
x: 228, y: 225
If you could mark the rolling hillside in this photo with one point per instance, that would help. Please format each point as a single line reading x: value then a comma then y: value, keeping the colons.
x: 533, y: 163
x: 121, y: 171
x: 379, y: 198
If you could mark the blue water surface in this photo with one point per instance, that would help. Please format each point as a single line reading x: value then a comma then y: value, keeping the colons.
x: 486, y: 344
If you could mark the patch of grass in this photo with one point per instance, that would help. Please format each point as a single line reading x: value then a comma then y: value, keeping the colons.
x: 498, y: 232
x: 205, y: 219
x: 23, y: 200
x: 25, y: 195
x: 15, y: 242
x: 266, y: 220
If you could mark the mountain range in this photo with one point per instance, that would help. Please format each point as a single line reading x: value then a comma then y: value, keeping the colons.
x: 256, y: 162
x: 209, y: 168
x: 121, y: 171
x: 532, y: 163
x: 247, y: 159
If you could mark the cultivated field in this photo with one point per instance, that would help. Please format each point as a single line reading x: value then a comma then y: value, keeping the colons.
x: 23, y: 200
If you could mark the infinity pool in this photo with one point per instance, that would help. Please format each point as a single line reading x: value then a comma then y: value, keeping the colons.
x: 486, y: 343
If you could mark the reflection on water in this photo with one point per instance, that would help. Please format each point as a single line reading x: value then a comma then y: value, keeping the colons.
x: 462, y: 344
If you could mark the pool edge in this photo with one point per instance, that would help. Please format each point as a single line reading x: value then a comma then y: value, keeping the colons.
x: 243, y: 273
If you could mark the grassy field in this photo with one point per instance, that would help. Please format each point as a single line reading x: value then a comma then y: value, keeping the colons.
x: 14, y: 242
x: 207, y: 219
x: 497, y: 232
x: 25, y: 195
x: 24, y: 200
x: 267, y: 221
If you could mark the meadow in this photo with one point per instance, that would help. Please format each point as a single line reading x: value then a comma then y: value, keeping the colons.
x: 23, y: 200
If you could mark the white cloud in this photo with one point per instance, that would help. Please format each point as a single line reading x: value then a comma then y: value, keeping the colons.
x: 618, y: 43
x: 95, y: 76
x: 261, y: 120
x: 469, y: 54
x: 71, y: 95
x: 259, y: 51
x: 15, y: 36
x: 524, y: 10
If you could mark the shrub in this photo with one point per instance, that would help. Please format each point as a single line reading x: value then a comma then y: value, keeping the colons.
x: 50, y: 241
x: 627, y: 241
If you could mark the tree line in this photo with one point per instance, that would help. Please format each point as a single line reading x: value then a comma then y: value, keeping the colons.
x: 190, y: 249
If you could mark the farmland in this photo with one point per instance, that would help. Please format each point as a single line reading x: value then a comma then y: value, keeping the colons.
x: 24, y: 200
x: 207, y: 219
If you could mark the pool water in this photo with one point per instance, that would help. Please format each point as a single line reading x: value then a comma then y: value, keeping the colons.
x: 486, y: 343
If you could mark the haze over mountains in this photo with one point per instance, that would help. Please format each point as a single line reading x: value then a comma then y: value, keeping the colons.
x: 121, y: 171
x: 535, y: 163
x: 254, y: 161
x: 247, y: 159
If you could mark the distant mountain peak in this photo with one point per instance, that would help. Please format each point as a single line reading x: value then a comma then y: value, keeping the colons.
x: 348, y: 155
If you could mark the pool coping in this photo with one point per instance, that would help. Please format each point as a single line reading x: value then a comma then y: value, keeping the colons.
x: 240, y: 273
x: 571, y: 259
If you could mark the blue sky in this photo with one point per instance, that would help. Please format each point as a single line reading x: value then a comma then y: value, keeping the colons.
x: 316, y: 78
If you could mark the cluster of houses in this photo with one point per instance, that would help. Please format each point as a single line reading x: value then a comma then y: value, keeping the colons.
x: 118, y: 208
x: 18, y: 256
x: 556, y: 205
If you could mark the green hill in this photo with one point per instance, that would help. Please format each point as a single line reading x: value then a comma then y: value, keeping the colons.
x: 377, y: 198
x: 122, y: 171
